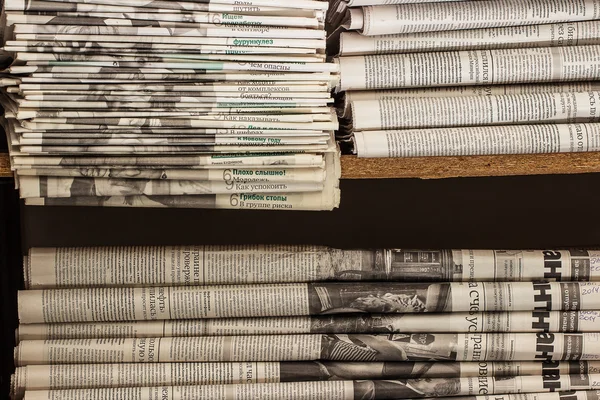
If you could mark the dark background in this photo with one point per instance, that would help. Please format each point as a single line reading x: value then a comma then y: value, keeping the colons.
x: 499, y: 212
x: 10, y: 279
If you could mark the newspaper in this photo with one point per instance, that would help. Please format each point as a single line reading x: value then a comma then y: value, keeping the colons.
x: 61, y: 138
x: 305, y: 18
x: 536, y: 321
x: 37, y: 58
x: 550, y: 35
x: 334, y: 347
x: 566, y: 395
x: 479, y: 140
x: 193, y: 87
x: 159, y: 19
x: 459, y: 91
x: 307, y: 91
x: 159, y: 112
x: 43, y: 186
x: 480, y: 67
x: 316, y: 201
x: 225, y: 161
x: 318, y: 113
x: 63, y: 267
x: 182, y: 97
x: 200, y: 30
x: 250, y: 7
x: 244, y: 123
x: 189, y: 104
x: 350, y: 390
x: 70, y: 46
x: 444, y: 16
x: 302, y: 4
x: 166, y: 303
x: 206, y: 40
x: 143, y: 76
x: 159, y: 149
x: 72, y: 376
x: 228, y: 176
x: 431, y: 112
x: 357, y: 3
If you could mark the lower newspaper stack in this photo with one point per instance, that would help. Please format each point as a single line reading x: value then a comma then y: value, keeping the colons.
x: 226, y: 323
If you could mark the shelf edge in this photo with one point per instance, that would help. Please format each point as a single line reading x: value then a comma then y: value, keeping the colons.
x: 470, y: 166
x: 448, y: 167
x: 5, y: 171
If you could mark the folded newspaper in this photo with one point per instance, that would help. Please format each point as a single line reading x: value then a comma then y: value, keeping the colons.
x: 171, y: 104
x: 334, y: 390
x: 332, y: 347
x: 76, y: 376
x: 300, y: 299
x: 72, y: 267
x: 461, y: 322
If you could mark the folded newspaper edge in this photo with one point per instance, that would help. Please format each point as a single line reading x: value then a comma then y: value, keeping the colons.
x: 339, y: 390
x: 541, y: 346
x: 74, y: 376
x: 56, y: 267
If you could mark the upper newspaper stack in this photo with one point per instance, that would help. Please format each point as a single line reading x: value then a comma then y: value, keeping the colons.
x: 144, y: 103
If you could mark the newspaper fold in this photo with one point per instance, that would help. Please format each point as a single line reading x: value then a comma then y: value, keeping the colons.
x: 567, y: 395
x: 460, y: 91
x: 73, y: 376
x: 334, y: 347
x: 166, y: 303
x: 346, y: 390
x: 63, y: 267
x: 479, y: 140
x: 459, y: 322
x: 550, y: 35
x: 480, y: 67
x: 446, y: 15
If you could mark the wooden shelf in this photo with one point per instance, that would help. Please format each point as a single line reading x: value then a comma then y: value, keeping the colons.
x: 5, y: 171
x: 449, y: 167
x: 471, y: 166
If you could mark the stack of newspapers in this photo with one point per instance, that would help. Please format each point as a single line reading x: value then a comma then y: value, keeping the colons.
x: 209, y: 104
x: 467, y: 77
x: 307, y: 322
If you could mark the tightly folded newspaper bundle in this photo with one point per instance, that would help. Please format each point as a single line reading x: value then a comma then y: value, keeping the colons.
x: 222, y: 104
x: 332, y: 347
x: 300, y: 299
x: 334, y: 390
x: 292, y: 392
x: 381, y: 17
x: 550, y: 89
x: 569, y: 395
x: 72, y: 267
x: 409, y: 67
x: 461, y: 322
x: 79, y: 376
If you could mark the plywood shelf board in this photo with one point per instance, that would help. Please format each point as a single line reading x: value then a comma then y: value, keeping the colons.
x: 450, y: 167
x: 5, y: 171
x: 469, y: 166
